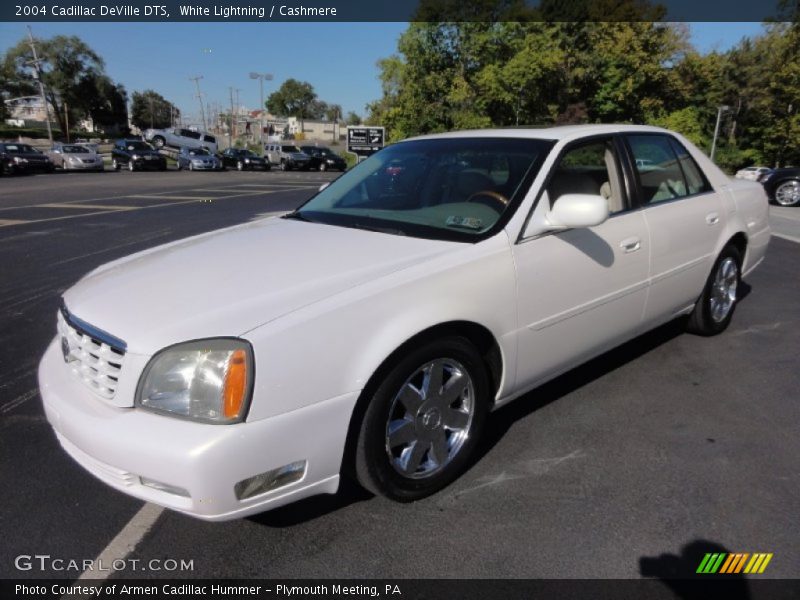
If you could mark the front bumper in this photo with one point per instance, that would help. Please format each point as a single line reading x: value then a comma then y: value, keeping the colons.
x: 82, y: 166
x: 142, y: 163
x: 122, y: 445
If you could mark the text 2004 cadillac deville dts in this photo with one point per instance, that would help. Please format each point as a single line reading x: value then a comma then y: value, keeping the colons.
x: 370, y: 331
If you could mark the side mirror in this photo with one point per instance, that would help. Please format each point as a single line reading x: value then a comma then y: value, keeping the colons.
x: 575, y: 211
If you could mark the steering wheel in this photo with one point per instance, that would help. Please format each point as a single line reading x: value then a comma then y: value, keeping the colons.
x: 499, y: 200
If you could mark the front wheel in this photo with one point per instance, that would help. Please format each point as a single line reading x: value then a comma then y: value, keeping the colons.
x: 423, y: 421
x: 323, y: 166
x: 240, y: 166
x: 131, y: 166
x: 788, y: 193
x: 714, y: 310
x: 114, y: 164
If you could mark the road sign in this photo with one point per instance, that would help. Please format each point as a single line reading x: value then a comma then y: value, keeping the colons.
x: 364, y: 141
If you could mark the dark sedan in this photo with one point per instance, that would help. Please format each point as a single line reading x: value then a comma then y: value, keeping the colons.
x: 243, y: 160
x: 783, y: 186
x: 23, y: 158
x: 324, y: 158
x: 136, y: 155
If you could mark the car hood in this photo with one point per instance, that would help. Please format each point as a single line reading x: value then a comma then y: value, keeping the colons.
x: 227, y: 282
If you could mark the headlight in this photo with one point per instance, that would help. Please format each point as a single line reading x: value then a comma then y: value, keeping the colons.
x: 135, y: 157
x: 247, y: 160
x: 205, y: 380
x: 20, y: 160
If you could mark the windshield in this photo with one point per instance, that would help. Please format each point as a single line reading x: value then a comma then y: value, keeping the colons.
x: 74, y: 149
x: 456, y: 188
x: 136, y: 145
x: 290, y: 149
x: 199, y: 152
x: 20, y: 149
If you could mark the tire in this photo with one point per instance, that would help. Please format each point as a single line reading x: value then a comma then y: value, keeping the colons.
x: 191, y: 167
x: 323, y: 166
x: 159, y: 142
x: 240, y: 166
x: 787, y: 193
x: 404, y: 465
x: 714, y: 310
x: 284, y: 166
x: 131, y: 166
x: 179, y: 166
x: 114, y: 164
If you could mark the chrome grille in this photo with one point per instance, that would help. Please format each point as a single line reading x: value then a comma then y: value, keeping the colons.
x: 90, y: 358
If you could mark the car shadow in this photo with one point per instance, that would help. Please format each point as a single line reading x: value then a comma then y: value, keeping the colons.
x: 502, y: 419
x: 678, y: 572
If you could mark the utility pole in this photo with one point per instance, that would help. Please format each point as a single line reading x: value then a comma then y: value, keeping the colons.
x: 35, y: 62
x: 720, y: 111
x: 261, y: 77
x: 196, y: 80
x: 230, y: 128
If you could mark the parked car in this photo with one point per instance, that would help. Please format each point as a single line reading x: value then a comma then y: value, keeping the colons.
x: 136, y: 155
x: 75, y: 157
x: 287, y: 156
x: 323, y: 158
x: 198, y: 159
x: 371, y: 330
x: 783, y: 186
x: 244, y: 160
x: 752, y: 173
x: 23, y: 158
x: 92, y: 146
x: 180, y: 137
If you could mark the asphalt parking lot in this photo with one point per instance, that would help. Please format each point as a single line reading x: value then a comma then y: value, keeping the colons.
x: 634, y: 464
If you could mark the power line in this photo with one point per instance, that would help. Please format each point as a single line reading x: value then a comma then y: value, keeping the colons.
x: 196, y: 80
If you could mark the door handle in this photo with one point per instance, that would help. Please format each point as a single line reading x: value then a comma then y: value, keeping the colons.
x: 712, y: 218
x: 631, y: 244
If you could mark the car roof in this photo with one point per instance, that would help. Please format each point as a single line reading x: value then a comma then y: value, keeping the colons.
x: 562, y: 132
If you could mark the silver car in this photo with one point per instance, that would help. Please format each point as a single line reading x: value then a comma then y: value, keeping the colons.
x: 179, y: 137
x: 287, y: 156
x: 198, y: 159
x: 75, y: 157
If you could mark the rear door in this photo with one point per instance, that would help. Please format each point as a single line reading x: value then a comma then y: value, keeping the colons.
x: 684, y: 216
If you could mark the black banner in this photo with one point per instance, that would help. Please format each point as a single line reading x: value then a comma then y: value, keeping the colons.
x: 31, y: 11
x: 730, y: 588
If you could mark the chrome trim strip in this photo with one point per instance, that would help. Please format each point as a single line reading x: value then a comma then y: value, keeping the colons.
x: 93, y: 332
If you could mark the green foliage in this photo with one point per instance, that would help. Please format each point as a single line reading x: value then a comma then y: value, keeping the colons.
x: 353, y: 119
x: 295, y: 99
x: 576, y: 61
x: 149, y: 109
x: 74, y: 76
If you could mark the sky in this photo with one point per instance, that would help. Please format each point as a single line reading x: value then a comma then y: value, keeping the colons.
x: 338, y: 59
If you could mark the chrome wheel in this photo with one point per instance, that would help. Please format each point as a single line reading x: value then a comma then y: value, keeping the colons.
x: 430, y: 418
x: 239, y: 166
x: 723, y: 290
x: 788, y: 193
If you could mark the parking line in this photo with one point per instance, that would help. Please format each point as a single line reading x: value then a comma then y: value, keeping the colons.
x: 124, y: 543
x: 161, y: 197
x: 6, y: 222
x: 783, y: 236
x: 95, y: 206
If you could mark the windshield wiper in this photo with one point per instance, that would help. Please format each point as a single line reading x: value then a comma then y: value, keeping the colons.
x: 297, y: 216
x: 389, y: 230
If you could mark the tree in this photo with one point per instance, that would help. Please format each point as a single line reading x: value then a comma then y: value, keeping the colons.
x: 353, y: 119
x: 294, y: 99
x: 149, y: 109
x: 73, y: 75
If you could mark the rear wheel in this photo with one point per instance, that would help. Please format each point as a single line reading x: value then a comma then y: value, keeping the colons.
x: 423, y: 422
x: 788, y: 193
x: 284, y: 166
x: 239, y: 166
x: 714, y: 310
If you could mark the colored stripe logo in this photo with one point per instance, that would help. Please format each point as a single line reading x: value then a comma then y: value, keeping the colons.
x: 740, y: 562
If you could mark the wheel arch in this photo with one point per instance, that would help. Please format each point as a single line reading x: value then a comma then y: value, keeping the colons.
x: 479, y: 335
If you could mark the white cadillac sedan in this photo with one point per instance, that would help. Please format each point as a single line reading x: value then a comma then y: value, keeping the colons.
x: 370, y: 331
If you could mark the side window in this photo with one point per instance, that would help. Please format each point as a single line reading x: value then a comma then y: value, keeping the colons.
x: 589, y: 168
x: 660, y: 174
x: 695, y: 180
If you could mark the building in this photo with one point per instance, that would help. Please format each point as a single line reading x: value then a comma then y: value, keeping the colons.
x: 317, y: 130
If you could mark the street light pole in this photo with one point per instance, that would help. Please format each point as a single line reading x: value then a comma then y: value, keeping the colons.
x: 261, y: 77
x: 720, y: 110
